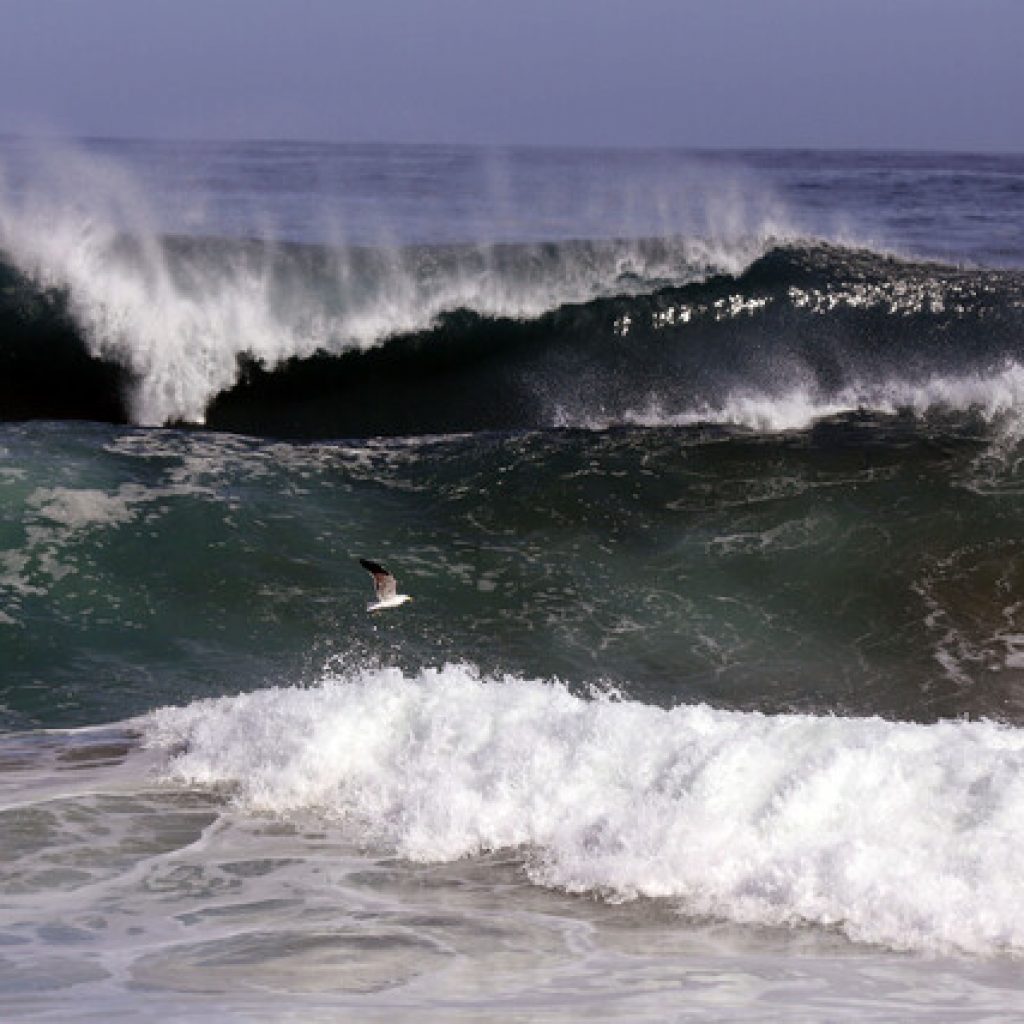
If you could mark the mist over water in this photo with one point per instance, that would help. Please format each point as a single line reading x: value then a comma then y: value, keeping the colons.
x: 704, y: 471
x: 176, y: 315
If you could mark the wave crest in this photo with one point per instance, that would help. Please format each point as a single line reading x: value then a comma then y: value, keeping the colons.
x: 292, y: 340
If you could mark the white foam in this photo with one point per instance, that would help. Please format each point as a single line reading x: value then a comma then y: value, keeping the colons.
x: 78, y: 508
x: 997, y: 396
x: 907, y: 835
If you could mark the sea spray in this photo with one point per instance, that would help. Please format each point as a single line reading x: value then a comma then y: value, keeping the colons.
x: 179, y: 314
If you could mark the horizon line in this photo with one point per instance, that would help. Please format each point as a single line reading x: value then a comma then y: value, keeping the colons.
x: 581, y: 147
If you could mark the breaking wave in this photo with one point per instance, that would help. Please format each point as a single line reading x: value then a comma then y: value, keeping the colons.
x: 898, y: 834
x: 103, y: 317
x: 159, y: 325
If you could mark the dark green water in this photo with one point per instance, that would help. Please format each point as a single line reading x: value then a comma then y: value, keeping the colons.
x: 868, y: 565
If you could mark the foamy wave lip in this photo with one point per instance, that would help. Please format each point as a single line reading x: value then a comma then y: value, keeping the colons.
x: 905, y: 835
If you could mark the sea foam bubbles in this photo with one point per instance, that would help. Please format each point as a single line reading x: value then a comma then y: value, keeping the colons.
x: 906, y: 835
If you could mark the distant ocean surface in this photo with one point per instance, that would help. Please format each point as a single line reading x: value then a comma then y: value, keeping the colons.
x: 706, y: 473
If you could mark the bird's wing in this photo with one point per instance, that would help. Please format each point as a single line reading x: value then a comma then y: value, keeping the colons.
x: 383, y: 582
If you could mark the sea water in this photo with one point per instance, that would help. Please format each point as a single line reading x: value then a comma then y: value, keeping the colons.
x: 704, y: 471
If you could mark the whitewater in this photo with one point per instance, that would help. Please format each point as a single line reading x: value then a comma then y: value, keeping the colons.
x: 899, y: 835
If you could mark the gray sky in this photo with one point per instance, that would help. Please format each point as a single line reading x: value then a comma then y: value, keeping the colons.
x: 930, y: 74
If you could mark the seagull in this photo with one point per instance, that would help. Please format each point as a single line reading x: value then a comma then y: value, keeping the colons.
x: 385, y: 586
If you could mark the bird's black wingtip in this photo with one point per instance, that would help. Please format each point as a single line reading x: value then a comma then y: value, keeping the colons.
x: 373, y: 567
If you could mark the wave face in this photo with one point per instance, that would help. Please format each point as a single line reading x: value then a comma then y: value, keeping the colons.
x: 305, y: 342
x: 806, y: 331
x: 896, y: 834
x: 175, y: 322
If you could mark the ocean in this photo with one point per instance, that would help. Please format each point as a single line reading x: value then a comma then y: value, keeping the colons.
x: 705, y: 471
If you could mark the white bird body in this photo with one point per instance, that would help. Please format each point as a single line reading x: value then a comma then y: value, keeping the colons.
x: 384, y: 586
x: 391, y: 602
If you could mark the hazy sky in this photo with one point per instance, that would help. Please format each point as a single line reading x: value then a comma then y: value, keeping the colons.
x: 933, y: 74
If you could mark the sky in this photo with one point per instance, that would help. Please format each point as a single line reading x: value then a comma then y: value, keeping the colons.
x: 887, y: 74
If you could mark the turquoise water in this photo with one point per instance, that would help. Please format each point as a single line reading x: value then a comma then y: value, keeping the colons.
x: 865, y: 569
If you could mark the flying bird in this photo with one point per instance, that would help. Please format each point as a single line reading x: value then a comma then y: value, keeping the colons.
x: 385, y: 587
